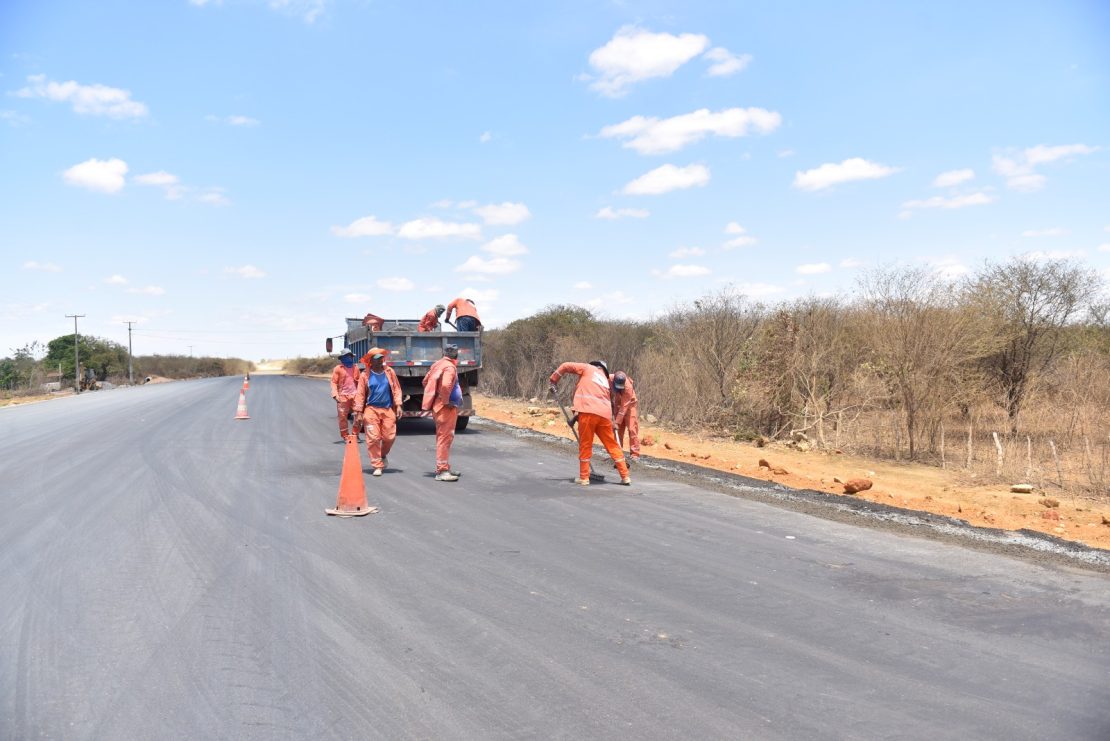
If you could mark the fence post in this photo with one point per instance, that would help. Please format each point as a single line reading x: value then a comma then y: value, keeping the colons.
x: 969, y: 446
x: 1056, y: 459
x: 943, y: 463
x: 998, y: 447
x: 1028, y: 458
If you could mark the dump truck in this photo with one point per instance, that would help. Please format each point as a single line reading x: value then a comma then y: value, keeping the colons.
x: 411, y: 354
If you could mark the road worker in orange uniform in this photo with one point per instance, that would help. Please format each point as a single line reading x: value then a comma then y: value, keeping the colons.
x: 442, y: 397
x: 378, y: 402
x: 594, y: 407
x: 344, y: 386
x: 374, y: 322
x: 466, y: 316
x: 430, y: 322
x: 626, y: 413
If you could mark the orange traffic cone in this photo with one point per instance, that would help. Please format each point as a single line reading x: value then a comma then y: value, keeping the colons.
x: 351, y: 501
x: 246, y: 382
x: 241, y: 412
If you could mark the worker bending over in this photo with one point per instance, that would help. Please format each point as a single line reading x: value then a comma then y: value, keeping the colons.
x: 594, y: 406
x: 378, y: 403
x: 344, y: 386
x: 466, y: 315
x: 430, y: 321
x: 626, y: 413
x: 442, y: 397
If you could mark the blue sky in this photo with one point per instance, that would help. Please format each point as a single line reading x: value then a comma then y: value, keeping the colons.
x: 238, y: 176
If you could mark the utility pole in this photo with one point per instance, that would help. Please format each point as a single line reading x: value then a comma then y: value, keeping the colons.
x: 190, y: 351
x: 76, y: 353
x: 130, y: 368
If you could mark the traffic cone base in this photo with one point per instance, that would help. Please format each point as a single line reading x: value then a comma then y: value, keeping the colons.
x: 351, y: 501
x: 241, y: 412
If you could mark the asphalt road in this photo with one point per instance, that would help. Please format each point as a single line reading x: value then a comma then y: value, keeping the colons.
x: 167, y: 572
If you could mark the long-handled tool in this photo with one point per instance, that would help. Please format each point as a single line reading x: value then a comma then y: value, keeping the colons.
x: 570, y: 423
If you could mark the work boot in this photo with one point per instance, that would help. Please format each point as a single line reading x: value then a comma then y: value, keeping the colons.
x: 446, y: 476
x: 626, y: 481
x: 582, y: 482
x: 377, y: 472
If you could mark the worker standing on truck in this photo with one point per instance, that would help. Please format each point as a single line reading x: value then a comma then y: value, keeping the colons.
x: 430, y: 322
x: 374, y: 322
x: 344, y: 386
x: 442, y: 397
x: 466, y: 315
x: 593, y: 405
x: 626, y: 413
x: 378, y: 403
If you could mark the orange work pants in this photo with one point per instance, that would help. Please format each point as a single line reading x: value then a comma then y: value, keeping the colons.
x: 588, y: 426
x: 344, y: 405
x: 445, y: 435
x: 380, y: 426
x: 631, y: 425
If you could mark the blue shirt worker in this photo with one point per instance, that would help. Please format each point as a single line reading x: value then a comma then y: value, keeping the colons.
x: 378, y: 401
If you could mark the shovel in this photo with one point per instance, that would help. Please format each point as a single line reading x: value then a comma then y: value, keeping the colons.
x: 593, y: 476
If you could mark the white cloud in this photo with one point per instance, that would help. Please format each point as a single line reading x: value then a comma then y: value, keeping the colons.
x: 851, y: 262
x: 682, y: 252
x: 484, y: 294
x: 466, y: 204
x: 443, y: 203
x: 396, y: 284
x: 358, y: 298
x: 758, y: 290
x: 1104, y: 247
x: 433, y: 228
x: 830, y: 173
x: 1058, y: 231
x: 93, y: 100
x: 616, y: 297
x: 308, y: 10
x: 634, y: 54
x: 948, y: 268
x: 506, y: 246
x: 148, y: 290
x: 246, y: 271
x: 734, y: 228
x: 489, y: 266
x: 116, y: 280
x: 1018, y: 167
x: 504, y: 213
x: 160, y: 178
x: 485, y: 137
x: 367, y: 226
x: 1040, y: 255
x: 214, y: 197
x: 46, y: 267
x: 726, y: 63
x: 745, y: 241
x: 783, y: 153
x: 611, y: 214
x: 953, y: 177
x: 650, y: 135
x: 813, y: 268
x: 973, y: 199
x: 242, y: 121
x: 666, y: 178
x: 583, y: 285
x: 14, y: 118
x: 682, y: 271
x: 104, y: 176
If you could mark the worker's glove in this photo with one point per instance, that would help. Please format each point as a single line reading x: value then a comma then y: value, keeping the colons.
x: 573, y: 420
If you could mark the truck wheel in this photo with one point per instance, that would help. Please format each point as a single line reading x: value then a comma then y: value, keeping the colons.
x: 461, y: 423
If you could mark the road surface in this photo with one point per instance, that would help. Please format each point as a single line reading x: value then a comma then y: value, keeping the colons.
x: 167, y: 572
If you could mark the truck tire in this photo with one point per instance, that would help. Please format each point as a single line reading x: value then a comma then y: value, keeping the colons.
x: 461, y: 423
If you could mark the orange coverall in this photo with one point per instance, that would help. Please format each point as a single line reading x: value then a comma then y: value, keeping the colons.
x: 594, y: 406
x: 430, y: 322
x: 627, y: 417
x: 379, y: 424
x: 374, y: 322
x: 461, y: 307
x: 438, y: 384
x: 344, y: 386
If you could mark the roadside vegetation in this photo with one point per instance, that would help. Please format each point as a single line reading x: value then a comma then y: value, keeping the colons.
x: 35, y: 368
x: 1005, y: 374
x: 321, y: 364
